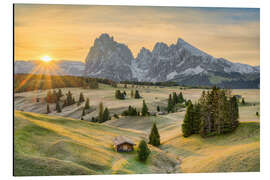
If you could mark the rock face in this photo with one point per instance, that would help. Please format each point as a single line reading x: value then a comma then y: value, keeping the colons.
x: 62, y: 67
x: 109, y: 59
x: 180, y: 62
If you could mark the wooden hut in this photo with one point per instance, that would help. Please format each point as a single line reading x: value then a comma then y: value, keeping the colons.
x: 123, y: 144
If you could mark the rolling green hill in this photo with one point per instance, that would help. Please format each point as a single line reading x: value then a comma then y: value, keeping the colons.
x: 51, y: 145
x: 238, y: 151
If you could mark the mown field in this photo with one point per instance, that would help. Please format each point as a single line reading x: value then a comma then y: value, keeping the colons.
x: 61, y: 144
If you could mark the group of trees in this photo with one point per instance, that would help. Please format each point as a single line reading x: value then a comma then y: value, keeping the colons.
x: 70, y: 100
x: 103, y: 114
x: 91, y: 83
x: 120, y: 95
x: 131, y: 111
x: 215, y: 113
x: 53, y: 96
x: 173, y: 100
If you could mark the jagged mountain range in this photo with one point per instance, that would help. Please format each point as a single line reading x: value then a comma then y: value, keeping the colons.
x: 180, y: 62
x: 61, y: 67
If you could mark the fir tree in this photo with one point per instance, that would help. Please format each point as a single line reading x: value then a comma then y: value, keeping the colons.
x: 154, y: 137
x: 83, y: 112
x: 243, y: 101
x: 187, y: 124
x: 143, y: 151
x: 137, y: 95
x: 132, y: 93
x: 158, y: 108
x: 144, y: 109
x: 106, y: 115
x: 170, y: 104
x: 81, y: 98
x: 180, y: 98
x: 48, y: 109
x: 174, y: 98
x: 57, y: 107
x: 101, y: 111
x: 87, y: 106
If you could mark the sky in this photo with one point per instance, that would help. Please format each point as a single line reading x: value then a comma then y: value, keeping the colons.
x: 68, y: 31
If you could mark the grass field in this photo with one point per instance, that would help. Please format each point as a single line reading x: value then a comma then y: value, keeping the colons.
x: 50, y: 145
x: 61, y: 144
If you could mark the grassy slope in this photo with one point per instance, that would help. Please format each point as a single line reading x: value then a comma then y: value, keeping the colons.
x: 50, y: 145
x: 235, y: 152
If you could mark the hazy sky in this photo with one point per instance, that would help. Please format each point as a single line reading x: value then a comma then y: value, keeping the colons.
x: 68, y: 31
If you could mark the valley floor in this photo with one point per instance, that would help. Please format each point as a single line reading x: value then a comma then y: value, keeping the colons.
x: 61, y: 144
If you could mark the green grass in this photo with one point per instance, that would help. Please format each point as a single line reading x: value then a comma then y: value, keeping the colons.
x: 238, y: 151
x: 51, y: 145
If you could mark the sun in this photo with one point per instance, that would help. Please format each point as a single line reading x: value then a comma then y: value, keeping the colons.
x: 46, y: 58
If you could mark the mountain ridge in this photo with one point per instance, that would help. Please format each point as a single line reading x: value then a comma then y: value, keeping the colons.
x: 112, y: 60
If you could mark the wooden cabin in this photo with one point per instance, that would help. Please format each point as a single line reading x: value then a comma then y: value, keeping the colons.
x: 123, y: 144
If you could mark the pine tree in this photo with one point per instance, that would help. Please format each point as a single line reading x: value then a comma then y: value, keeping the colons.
x: 196, y: 119
x: 69, y: 99
x: 59, y: 94
x: 83, y: 112
x: 101, y: 111
x: 57, y: 107
x: 48, y: 109
x: 174, y: 99
x: 143, y: 151
x: 187, y: 124
x: 170, y: 104
x: 180, y: 98
x: 137, y: 95
x: 243, y: 101
x: 81, y: 98
x: 106, y: 115
x: 154, y: 137
x: 158, y: 108
x: 131, y: 93
x: 87, y: 106
x: 144, y: 109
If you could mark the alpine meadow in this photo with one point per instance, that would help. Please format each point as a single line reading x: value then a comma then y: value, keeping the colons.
x: 100, y: 91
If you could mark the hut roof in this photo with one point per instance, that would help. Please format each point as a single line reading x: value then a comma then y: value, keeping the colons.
x: 121, y: 140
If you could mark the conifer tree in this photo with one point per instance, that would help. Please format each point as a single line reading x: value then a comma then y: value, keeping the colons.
x: 83, y: 112
x: 143, y: 151
x: 106, y: 115
x: 187, y: 124
x: 57, y: 107
x: 196, y: 119
x: 158, y: 108
x: 132, y: 93
x: 101, y: 111
x: 154, y: 137
x: 137, y: 95
x: 48, y: 109
x: 87, y: 106
x: 170, y: 104
x: 81, y: 98
x: 59, y: 94
x: 243, y: 101
x: 174, y: 99
x: 180, y: 98
x: 144, y: 109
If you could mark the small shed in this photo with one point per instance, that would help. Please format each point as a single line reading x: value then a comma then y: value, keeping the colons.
x: 123, y: 144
